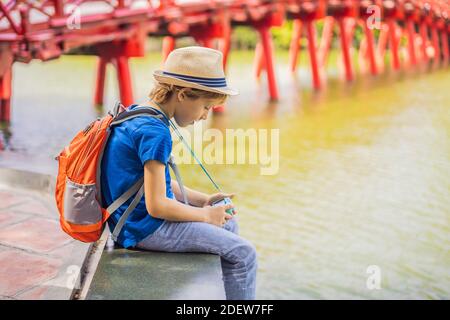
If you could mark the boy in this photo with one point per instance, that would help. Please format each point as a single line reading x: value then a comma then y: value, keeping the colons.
x: 191, y: 82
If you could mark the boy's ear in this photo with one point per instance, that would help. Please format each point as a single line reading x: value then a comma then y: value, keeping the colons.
x: 181, y: 95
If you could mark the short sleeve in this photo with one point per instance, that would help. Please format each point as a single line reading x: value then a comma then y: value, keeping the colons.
x: 153, y: 141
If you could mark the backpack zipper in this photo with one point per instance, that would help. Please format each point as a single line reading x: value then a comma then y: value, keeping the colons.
x: 86, y: 153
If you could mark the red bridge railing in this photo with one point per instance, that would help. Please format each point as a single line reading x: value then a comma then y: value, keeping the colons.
x: 117, y: 30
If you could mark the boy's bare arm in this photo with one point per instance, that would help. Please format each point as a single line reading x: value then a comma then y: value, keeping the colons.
x: 159, y: 206
x: 195, y: 198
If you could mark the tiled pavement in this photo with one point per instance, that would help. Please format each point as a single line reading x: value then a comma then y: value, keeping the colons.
x: 37, y: 259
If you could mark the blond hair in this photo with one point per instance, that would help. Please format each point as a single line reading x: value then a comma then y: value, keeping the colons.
x: 161, y: 92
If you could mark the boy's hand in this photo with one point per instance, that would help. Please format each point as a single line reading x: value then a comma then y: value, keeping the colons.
x: 217, y: 215
x: 218, y: 196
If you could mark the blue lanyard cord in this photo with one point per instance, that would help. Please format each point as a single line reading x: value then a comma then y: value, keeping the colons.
x: 180, y: 136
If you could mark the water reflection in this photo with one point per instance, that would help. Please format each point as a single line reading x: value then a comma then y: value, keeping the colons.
x: 5, y: 136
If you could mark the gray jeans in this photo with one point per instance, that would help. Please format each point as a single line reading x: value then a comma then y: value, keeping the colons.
x: 237, y: 255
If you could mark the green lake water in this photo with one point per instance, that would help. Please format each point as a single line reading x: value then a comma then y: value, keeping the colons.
x: 363, y: 177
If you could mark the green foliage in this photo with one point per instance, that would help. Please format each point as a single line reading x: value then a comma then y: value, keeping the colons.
x: 246, y: 38
x: 282, y: 35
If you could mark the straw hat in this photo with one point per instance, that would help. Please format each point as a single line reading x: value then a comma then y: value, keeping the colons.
x: 195, y: 67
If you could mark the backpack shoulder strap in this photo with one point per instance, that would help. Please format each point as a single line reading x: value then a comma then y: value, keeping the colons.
x: 125, y: 196
x: 127, y: 115
x: 178, y: 177
x: 133, y: 204
x: 139, y: 188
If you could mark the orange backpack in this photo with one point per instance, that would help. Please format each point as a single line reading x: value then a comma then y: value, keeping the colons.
x: 78, y: 187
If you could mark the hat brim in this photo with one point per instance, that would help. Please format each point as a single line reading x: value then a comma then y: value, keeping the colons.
x: 159, y: 76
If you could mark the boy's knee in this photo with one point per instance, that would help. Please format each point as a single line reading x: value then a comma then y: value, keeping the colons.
x: 246, y: 251
x: 252, y: 252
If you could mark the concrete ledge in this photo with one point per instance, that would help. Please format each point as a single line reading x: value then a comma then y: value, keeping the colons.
x: 28, y: 180
x: 132, y: 274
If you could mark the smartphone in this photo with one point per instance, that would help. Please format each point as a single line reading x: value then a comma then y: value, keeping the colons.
x: 224, y: 201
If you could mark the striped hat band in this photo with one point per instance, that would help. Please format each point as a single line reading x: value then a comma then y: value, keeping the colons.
x: 209, y: 82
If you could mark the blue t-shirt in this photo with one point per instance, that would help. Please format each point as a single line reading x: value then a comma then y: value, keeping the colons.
x: 130, y: 145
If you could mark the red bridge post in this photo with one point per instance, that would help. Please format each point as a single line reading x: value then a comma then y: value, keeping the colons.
x: 393, y: 43
x: 124, y: 79
x: 267, y: 52
x: 325, y: 40
x: 100, y: 81
x: 312, y: 48
x: 424, y: 36
x: 259, y: 63
x: 411, y: 41
x: 436, y: 46
x: 345, y: 39
x: 118, y: 53
x: 369, y: 35
x: 59, y: 8
x: 205, y: 35
x: 5, y: 95
x: 168, y: 45
x: 307, y: 12
x: 345, y: 13
x: 225, y: 44
x: 411, y: 10
x: 295, y: 44
x: 445, y: 49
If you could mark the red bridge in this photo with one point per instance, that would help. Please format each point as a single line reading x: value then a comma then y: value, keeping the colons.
x: 116, y: 31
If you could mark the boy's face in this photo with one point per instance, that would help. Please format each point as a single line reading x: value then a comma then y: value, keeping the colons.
x: 191, y: 110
